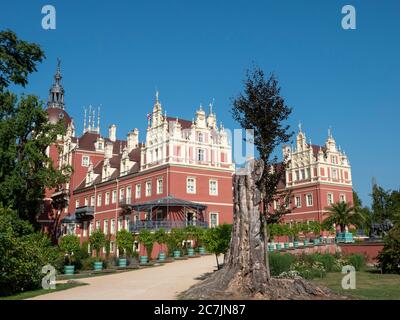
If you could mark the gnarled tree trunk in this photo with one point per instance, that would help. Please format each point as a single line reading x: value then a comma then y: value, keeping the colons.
x: 245, y: 274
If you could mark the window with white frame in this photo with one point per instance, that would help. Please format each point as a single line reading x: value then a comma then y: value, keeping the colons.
x: 121, y: 194
x: 105, y: 226
x: 213, y: 187
x: 275, y: 204
x: 99, y: 200
x: 92, y: 201
x: 86, y: 201
x: 190, y: 185
x: 129, y: 194
x: 342, y: 198
x: 308, y: 173
x: 303, y: 174
x: 90, y: 228
x: 114, y: 196
x: 200, y: 137
x: 107, y: 199
x: 138, y: 191
x: 309, y: 200
x: 159, y: 185
x: 77, y: 203
x: 148, y: 188
x: 213, y: 219
x: 334, y: 174
x: 200, y: 155
x: 98, y: 225
x: 85, y: 161
x: 119, y: 224
x: 330, y: 198
x: 127, y: 223
x: 297, y: 201
x: 112, y: 246
x: 297, y: 178
x: 333, y: 159
x: 112, y: 229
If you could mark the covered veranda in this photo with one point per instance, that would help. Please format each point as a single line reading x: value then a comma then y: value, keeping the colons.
x: 167, y: 213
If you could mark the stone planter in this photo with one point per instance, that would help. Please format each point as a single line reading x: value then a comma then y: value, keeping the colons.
x: 177, y: 254
x: 286, y: 245
x: 69, y: 269
x: 202, y: 250
x: 122, y: 262
x: 143, y: 259
x: 161, y: 256
x: 98, y: 265
x: 190, y: 252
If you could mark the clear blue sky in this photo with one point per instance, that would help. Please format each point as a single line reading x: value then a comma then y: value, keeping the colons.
x: 116, y: 53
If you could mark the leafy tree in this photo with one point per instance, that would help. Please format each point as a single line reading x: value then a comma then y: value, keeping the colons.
x: 124, y: 242
x: 147, y: 239
x: 389, y: 257
x: 23, y: 253
x: 160, y: 237
x: 364, y: 211
x: 342, y: 214
x: 97, y: 241
x: 262, y: 108
x: 178, y: 235
x: 217, y: 240
x: 25, y: 133
x: 70, y: 245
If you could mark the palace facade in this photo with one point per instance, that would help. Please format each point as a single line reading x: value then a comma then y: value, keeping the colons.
x: 180, y: 175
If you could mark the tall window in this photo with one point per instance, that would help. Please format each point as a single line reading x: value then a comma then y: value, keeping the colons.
x: 159, y: 186
x: 90, y: 228
x: 213, y: 187
x: 92, y: 201
x: 303, y: 175
x: 99, y: 200
x: 138, y: 191
x: 114, y: 196
x: 148, y: 188
x: 85, y: 161
x: 213, y: 219
x: 85, y: 226
x: 86, y: 201
x: 77, y: 203
x: 112, y: 226
x: 127, y: 223
x: 119, y: 224
x: 105, y: 227
x: 191, y: 185
x: 342, y: 198
x: 334, y: 173
x: 128, y: 194
x: 107, y: 199
x: 330, y: 198
x: 98, y: 225
x: 297, y: 201
x: 121, y: 194
x: 201, y: 137
x: 200, y: 155
x: 297, y: 176
x: 309, y: 200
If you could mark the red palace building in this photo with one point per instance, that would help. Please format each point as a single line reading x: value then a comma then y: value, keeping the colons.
x: 180, y: 175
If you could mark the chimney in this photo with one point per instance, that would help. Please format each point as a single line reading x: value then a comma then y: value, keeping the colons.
x: 108, y: 151
x: 133, y: 139
x: 112, y: 132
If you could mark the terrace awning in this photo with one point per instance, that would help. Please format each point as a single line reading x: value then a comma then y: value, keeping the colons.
x: 168, y: 201
x: 70, y: 219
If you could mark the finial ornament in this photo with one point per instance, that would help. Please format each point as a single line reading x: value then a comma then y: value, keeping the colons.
x: 330, y: 132
x: 300, y: 125
x: 157, y: 96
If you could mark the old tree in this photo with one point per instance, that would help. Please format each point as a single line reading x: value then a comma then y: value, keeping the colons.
x: 246, y: 270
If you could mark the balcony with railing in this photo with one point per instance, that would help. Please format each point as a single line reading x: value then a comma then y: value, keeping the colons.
x: 165, y: 224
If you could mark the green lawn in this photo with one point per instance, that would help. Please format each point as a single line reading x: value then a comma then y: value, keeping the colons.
x: 369, y: 285
x: 34, y: 293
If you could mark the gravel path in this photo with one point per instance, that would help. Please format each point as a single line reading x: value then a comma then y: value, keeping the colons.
x: 158, y: 283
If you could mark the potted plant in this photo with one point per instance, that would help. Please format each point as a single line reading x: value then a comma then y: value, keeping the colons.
x: 285, y: 232
x: 97, y: 241
x: 69, y: 244
x: 294, y: 231
x: 161, y: 238
x: 305, y: 229
x: 147, y: 239
x: 199, y: 237
x: 315, y: 228
x: 178, y: 236
x: 191, y: 235
x: 124, y: 241
x: 272, y: 232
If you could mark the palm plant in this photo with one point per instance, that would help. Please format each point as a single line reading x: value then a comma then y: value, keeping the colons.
x: 342, y: 214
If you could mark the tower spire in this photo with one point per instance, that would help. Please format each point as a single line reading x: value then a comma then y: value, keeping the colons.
x: 56, y: 92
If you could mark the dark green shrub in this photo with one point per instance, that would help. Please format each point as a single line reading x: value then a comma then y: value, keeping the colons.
x: 389, y: 257
x: 357, y: 260
x: 279, y: 263
x: 87, y: 264
x: 327, y: 260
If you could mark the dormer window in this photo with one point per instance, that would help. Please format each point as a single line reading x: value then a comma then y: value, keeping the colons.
x: 85, y: 161
x: 200, y: 137
x: 100, y: 145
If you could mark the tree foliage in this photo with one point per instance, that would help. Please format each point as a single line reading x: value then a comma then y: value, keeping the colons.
x: 70, y: 245
x: 342, y: 214
x: 262, y: 108
x: 217, y: 240
x: 147, y: 239
x: 97, y: 241
x: 125, y: 241
x: 389, y: 257
x: 25, y: 133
